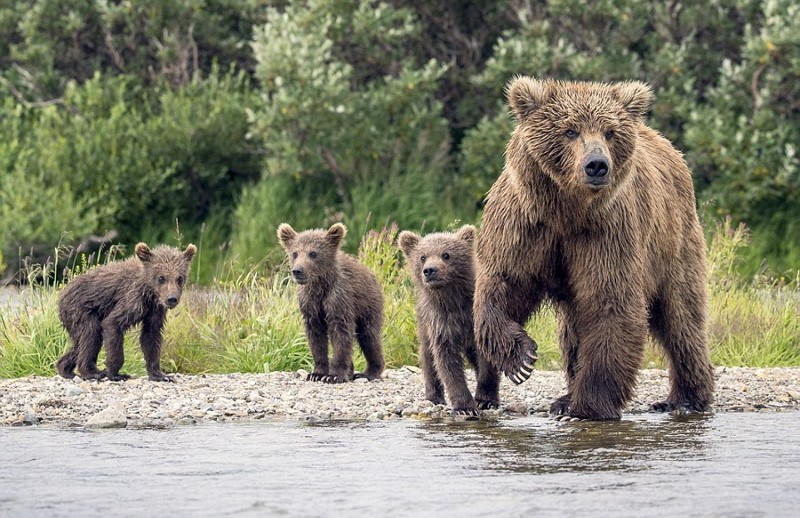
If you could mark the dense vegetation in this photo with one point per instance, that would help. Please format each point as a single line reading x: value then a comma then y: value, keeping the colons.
x: 230, y: 116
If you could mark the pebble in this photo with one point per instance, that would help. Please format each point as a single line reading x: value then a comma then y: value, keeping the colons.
x: 140, y: 403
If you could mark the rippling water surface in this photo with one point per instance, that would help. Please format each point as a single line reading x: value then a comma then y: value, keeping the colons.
x: 648, y: 465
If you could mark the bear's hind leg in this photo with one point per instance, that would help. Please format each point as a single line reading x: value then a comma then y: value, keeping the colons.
x: 487, y: 391
x: 680, y: 327
x: 67, y: 363
x: 370, y: 341
x: 87, y: 337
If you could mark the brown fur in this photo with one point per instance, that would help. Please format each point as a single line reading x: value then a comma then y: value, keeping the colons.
x: 98, y: 306
x: 617, y: 253
x: 442, y: 266
x: 339, y: 298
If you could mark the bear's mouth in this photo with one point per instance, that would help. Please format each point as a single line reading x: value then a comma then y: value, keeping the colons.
x: 435, y: 282
x: 300, y: 280
x: 596, y: 184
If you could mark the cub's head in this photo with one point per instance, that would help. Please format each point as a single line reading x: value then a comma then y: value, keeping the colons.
x: 311, y: 253
x: 441, y: 259
x: 581, y: 134
x: 165, y: 271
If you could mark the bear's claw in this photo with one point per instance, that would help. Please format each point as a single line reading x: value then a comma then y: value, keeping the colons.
x: 467, y: 413
x: 524, y: 371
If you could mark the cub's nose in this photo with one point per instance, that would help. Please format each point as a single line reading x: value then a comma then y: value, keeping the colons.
x: 596, y: 167
x: 429, y: 272
x: 297, y: 273
x: 172, y: 301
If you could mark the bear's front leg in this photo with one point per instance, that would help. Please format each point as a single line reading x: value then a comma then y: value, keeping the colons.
x: 611, y: 338
x: 151, y: 341
x: 342, y: 335
x: 434, y: 390
x: 317, y: 336
x: 499, y: 310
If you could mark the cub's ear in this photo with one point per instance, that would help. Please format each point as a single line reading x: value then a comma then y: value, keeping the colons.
x: 143, y: 252
x: 286, y: 235
x: 336, y: 233
x: 407, y: 241
x: 467, y: 233
x: 525, y: 94
x: 189, y: 252
x: 636, y: 97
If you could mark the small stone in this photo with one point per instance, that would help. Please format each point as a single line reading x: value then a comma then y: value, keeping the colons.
x: 301, y: 373
x: 254, y: 396
x: 517, y: 408
x: 30, y: 418
x: 111, y: 417
x: 74, y: 390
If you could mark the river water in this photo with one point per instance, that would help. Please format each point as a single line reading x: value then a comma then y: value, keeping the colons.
x: 645, y: 465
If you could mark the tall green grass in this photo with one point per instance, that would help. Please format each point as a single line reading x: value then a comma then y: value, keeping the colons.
x: 248, y: 321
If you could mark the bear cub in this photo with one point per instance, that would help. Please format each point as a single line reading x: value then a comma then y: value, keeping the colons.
x: 98, y: 306
x: 339, y: 299
x: 442, y: 267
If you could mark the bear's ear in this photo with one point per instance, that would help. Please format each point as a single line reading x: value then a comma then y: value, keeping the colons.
x: 407, y: 241
x: 466, y: 233
x: 189, y: 252
x: 525, y: 94
x: 143, y: 252
x: 286, y: 234
x: 636, y: 97
x: 336, y: 233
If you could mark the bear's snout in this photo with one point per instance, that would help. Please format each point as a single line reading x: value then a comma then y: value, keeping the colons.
x: 429, y: 272
x: 299, y: 275
x: 596, y: 168
x: 172, y: 301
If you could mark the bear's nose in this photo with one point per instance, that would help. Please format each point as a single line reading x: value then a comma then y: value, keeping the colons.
x: 429, y: 272
x: 596, y: 167
x: 172, y: 301
x: 297, y: 272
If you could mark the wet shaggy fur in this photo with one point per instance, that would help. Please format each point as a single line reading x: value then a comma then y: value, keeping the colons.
x: 443, y: 270
x: 594, y: 211
x: 339, y: 298
x: 98, y: 306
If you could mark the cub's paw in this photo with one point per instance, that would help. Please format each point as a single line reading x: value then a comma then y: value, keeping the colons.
x: 160, y: 376
x: 436, y: 399
x: 520, y: 367
x: 118, y: 377
x: 469, y: 414
x: 334, y: 378
x: 487, y: 404
x: 95, y: 375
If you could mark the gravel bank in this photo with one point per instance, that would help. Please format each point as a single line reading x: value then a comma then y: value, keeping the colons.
x: 286, y: 395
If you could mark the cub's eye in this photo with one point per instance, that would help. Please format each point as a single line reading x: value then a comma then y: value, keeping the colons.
x: 422, y: 259
x: 609, y: 134
x: 571, y: 134
x: 294, y: 255
x: 312, y: 255
x: 446, y: 256
x: 180, y: 281
x: 161, y: 279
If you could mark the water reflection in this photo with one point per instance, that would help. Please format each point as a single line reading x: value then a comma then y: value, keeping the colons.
x: 539, y: 445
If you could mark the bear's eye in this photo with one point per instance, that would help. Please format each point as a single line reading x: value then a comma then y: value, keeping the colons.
x: 422, y: 259
x: 294, y: 255
x: 161, y: 279
x: 609, y: 134
x: 571, y: 134
x: 180, y: 281
x: 446, y: 256
x: 312, y: 255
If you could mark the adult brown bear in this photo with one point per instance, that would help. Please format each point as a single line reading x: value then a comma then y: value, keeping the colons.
x: 594, y: 211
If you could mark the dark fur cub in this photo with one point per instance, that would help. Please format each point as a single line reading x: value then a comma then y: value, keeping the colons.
x: 339, y: 298
x: 442, y: 266
x: 98, y: 306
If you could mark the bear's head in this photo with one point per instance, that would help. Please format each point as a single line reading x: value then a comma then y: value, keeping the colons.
x: 165, y: 271
x: 440, y: 259
x: 580, y: 134
x: 311, y: 253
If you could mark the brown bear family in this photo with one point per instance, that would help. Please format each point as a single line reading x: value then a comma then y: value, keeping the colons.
x: 98, y: 306
x: 594, y: 211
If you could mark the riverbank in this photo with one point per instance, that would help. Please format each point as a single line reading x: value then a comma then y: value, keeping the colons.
x: 286, y: 395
